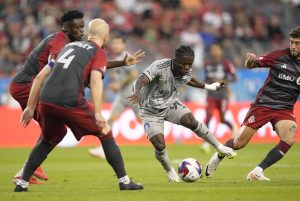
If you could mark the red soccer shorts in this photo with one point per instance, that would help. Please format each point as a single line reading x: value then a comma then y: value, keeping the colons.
x: 258, y: 116
x: 54, y: 119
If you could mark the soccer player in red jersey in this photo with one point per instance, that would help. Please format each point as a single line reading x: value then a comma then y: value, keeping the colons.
x: 62, y: 103
x: 274, y: 103
x: 217, y: 68
x: 48, y: 49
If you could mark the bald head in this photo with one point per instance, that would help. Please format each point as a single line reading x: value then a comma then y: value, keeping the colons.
x: 98, y: 31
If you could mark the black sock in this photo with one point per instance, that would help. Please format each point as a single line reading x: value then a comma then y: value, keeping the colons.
x: 113, y: 156
x: 37, y: 156
x: 275, y: 155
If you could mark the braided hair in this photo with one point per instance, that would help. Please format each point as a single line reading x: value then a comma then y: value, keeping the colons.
x: 184, y: 51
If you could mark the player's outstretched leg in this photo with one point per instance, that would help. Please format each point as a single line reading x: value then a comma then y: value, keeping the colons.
x: 114, y: 158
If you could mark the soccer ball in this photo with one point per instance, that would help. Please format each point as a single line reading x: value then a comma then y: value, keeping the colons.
x: 189, y: 170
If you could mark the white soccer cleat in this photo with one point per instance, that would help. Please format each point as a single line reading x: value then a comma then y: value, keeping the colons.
x: 173, y: 176
x: 212, y: 165
x: 226, y: 151
x: 97, y: 152
x: 257, y: 175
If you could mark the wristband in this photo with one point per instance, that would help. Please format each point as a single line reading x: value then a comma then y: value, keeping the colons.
x: 51, y: 63
x: 212, y: 87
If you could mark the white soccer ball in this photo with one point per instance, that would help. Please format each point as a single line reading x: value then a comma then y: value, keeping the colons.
x: 189, y: 170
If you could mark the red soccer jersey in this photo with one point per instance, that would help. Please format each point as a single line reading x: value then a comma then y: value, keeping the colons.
x: 71, y: 74
x: 282, y: 86
x: 38, y: 58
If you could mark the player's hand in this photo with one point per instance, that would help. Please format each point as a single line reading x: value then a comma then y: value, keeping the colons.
x: 135, y: 98
x: 106, y: 129
x: 100, y: 120
x: 250, y: 60
x: 26, y: 116
x: 222, y: 84
x: 134, y: 59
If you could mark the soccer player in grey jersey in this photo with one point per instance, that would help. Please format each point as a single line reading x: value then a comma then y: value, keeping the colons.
x: 274, y: 103
x: 156, y: 93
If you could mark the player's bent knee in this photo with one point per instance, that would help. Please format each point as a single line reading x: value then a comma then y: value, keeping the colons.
x: 189, y: 121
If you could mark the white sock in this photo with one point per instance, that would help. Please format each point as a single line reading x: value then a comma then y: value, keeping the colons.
x: 22, y: 183
x: 124, y: 180
x: 258, y: 169
x: 163, y: 158
x: 203, y: 132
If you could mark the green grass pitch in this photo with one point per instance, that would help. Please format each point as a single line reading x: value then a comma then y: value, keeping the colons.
x: 74, y: 175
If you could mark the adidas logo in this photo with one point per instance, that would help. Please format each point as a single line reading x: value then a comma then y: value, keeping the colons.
x: 283, y: 66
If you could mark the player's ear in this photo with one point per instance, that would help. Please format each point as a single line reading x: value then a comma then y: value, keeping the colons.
x: 65, y: 26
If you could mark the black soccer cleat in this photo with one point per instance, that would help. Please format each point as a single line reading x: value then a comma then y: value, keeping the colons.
x: 19, y: 188
x: 130, y: 186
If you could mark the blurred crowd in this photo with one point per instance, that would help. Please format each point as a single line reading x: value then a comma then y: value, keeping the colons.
x: 157, y: 27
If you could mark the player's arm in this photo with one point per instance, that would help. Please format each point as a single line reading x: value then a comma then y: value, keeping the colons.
x: 138, y: 85
x: 96, y: 85
x: 127, y: 61
x: 34, y: 93
x: 251, y: 61
x: 199, y: 84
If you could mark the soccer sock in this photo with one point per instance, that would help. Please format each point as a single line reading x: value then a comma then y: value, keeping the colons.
x: 113, y: 156
x: 229, y: 143
x: 163, y: 158
x: 38, y: 154
x: 275, y: 155
x: 203, y: 132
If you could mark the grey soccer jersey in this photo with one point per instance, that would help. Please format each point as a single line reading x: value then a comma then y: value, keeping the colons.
x: 161, y: 92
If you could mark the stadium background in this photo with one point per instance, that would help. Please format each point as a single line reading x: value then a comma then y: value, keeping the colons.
x: 157, y: 27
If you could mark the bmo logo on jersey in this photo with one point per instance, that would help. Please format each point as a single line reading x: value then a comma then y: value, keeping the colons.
x: 289, y: 78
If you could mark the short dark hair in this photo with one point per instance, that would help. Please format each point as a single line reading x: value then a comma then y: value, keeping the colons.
x: 295, y: 32
x: 184, y: 51
x: 71, y: 15
x: 118, y: 36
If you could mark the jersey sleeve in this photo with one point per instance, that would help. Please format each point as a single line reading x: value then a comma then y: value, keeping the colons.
x: 152, y: 71
x: 99, y: 62
x: 56, y: 45
x: 268, y: 59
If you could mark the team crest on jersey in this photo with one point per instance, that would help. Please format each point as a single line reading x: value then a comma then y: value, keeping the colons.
x: 146, y: 126
x: 251, y: 119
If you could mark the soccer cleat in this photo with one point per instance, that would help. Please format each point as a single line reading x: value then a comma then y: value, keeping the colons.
x: 21, y: 186
x: 32, y: 180
x: 212, y: 165
x: 226, y: 151
x: 173, y: 176
x: 39, y: 173
x: 130, y: 186
x: 256, y: 175
x: 97, y: 152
